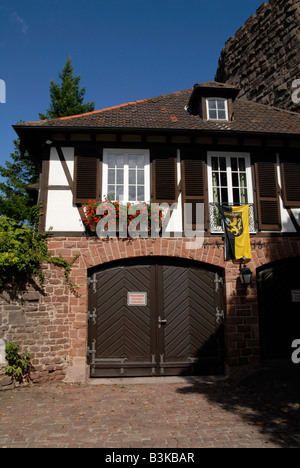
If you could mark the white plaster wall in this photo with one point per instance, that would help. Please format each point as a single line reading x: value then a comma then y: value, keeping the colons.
x: 56, y: 172
x: 296, y: 213
x: 62, y: 215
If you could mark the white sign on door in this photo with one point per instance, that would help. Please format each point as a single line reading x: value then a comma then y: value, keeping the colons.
x: 137, y: 299
x: 295, y: 295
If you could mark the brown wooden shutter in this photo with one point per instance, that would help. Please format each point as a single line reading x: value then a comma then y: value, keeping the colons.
x: 194, y: 185
x: 164, y: 178
x: 290, y: 173
x: 86, y: 178
x: 267, y: 194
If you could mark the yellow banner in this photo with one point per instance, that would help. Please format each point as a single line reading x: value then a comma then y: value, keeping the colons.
x: 242, y: 241
x: 237, y: 240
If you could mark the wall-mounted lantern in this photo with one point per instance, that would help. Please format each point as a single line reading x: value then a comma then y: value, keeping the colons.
x: 245, y: 274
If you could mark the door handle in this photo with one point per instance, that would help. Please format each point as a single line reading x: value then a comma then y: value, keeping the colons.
x: 161, y: 321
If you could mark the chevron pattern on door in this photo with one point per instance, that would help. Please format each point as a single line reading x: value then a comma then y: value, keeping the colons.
x: 174, y: 333
x: 189, y: 302
x: 123, y: 331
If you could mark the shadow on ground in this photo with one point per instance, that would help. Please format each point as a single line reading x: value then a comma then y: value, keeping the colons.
x: 267, y: 396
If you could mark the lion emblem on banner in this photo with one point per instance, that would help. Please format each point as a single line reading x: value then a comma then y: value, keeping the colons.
x: 235, y: 225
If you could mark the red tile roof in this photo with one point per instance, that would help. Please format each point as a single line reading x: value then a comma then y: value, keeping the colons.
x: 169, y: 112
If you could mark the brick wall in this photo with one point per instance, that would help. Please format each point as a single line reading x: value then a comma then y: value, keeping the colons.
x: 263, y: 57
x: 51, y: 322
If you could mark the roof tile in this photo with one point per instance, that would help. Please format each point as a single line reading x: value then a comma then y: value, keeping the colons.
x: 169, y: 112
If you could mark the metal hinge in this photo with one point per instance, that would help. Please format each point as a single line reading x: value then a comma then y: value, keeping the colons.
x: 217, y: 281
x: 219, y: 315
x: 92, y: 352
x: 93, y: 316
x: 153, y: 364
x: 93, y: 282
x: 162, y: 370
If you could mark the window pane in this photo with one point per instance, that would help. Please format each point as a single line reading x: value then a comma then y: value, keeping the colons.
x: 216, y: 195
x: 140, y: 163
x: 120, y: 161
x: 234, y: 166
x: 111, y: 191
x: 111, y: 176
x: 244, y: 196
x: 215, y: 178
x: 235, y: 179
x: 132, y: 193
x: 243, y: 180
x: 221, y: 104
x: 132, y: 161
x: 120, y: 176
x: 224, y: 195
x: 212, y: 104
x: 111, y: 161
x: 223, y: 164
x: 140, y: 177
x: 212, y: 114
x: 215, y: 164
x: 223, y: 179
x: 236, y: 196
x: 242, y: 164
x: 132, y: 176
x: 222, y: 114
x: 120, y: 193
x: 141, y: 194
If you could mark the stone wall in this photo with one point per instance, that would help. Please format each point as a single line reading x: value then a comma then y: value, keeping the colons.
x: 51, y: 322
x: 263, y: 58
x: 35, y: 318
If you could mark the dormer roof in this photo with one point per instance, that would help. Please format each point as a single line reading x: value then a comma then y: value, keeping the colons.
x: 211, y: 89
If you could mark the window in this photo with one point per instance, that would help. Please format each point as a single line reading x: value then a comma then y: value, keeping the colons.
x: 217, y: 109
x: 126, y: 175
x: 229, y: 183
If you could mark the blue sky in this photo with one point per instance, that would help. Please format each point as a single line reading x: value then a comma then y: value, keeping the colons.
x: 124, y: 50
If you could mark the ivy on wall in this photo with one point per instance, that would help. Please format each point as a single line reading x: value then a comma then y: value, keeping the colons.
x: 23, y: 250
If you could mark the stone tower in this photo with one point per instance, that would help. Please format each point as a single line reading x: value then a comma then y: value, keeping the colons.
x: 263, y: 58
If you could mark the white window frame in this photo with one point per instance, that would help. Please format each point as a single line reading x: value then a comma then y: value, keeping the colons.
x: 126, y: 153
x: 228, y: 155
x: 217, y: 99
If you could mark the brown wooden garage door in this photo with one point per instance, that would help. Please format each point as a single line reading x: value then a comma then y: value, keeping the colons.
x: 155, y: 319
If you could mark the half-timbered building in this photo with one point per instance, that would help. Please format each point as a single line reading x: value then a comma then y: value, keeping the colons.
x: 168, y: 304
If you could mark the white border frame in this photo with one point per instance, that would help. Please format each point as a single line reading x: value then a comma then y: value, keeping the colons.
x: 228, y: 155
x: 211, y: 98
x: 123, y: 151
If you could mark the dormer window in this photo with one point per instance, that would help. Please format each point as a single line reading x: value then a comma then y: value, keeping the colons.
x: 213, y: 101
x: 216, y: 108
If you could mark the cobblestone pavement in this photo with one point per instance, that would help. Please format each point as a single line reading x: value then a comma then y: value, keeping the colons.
x: 152, y: 415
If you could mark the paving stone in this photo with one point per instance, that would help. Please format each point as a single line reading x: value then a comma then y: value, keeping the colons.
x: 151, y: 416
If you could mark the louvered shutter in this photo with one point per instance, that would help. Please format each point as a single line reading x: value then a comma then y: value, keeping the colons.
x: 87, y: 180
x: 194, y: 185
x: 290, y: 172
x: 164, y: 184
x: 267, y: 195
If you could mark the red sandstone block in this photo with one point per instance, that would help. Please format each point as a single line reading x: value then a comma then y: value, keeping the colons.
x: 157, y: 247
x: 115, y: 251
x: 55, y: 244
